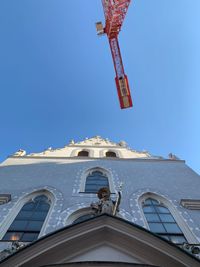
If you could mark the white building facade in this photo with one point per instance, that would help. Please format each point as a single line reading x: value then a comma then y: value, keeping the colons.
x: 42, y: 193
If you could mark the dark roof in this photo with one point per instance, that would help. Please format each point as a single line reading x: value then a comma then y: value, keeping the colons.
x: 96, y: 218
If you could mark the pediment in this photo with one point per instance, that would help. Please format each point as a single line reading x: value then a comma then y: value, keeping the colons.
x: 105, y: 251
x: 96, y: 141
x: 103, y: 238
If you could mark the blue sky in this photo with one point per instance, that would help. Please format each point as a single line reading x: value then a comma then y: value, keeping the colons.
x: 57, y: 76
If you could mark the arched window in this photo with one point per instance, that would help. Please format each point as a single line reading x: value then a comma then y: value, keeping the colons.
x: 83, y: 153
x: 111, y: 154
x: 95, y: 181
x: 28, y: 223
x: 161, y: 221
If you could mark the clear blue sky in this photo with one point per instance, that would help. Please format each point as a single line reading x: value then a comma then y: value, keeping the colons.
x: 57, y: 76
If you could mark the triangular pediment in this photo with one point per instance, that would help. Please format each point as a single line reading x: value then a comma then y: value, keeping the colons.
x: 105, y: 251
x: 100, y: 239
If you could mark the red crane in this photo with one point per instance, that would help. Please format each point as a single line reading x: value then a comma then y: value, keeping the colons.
x: 115, y: 12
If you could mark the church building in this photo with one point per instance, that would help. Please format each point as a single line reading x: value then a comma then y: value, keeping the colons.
x: 53, y: 214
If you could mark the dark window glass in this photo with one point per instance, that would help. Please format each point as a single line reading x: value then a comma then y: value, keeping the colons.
x: 34, y: 226
x: 172, y: 228
x: 39, y: 215
x: 157, y: 227
x: 18, y: 225
x: 29, y: 206
x: 111, y: 154
x: 149, y: 209
x: 154, y: 202
x: 41, y: 199
x: 161, y: 221
x: 24, y: 214
x: 13, y: 236
x: 29, y: 237
x: 29, y: 221
x: 83, y: 154
x: 148, y: 202
x: 166, y: 218
x: 152, y: 217
x: 161, y: 209
x: 97, y: 174
x: 95, y: 181
x: 43, y: 206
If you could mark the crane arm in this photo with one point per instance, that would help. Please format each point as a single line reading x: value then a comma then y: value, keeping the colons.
x: 121, y: 78
x: 115, y: 12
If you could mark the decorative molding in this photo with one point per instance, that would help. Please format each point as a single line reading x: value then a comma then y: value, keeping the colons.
x: 104, y: 158
x: 96, y: 141
x: 191, y: 204
x: 4, y: 198
x: 20, y: 153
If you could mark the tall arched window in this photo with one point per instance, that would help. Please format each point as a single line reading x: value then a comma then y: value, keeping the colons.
x: 161, y: 221
x: 83, y: 153
x: 95, y: 181
x: 28, y: 223
x: 111, y: 154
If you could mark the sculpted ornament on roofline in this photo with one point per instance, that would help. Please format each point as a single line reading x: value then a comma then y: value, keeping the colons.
x: 20, y: 152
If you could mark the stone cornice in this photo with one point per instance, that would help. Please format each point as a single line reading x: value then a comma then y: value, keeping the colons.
x: 4, y: 198
x: 106, y: 158
x: 191, y: 204
x: 100, y: 146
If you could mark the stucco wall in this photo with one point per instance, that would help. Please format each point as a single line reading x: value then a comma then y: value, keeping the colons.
x: 171, y: 179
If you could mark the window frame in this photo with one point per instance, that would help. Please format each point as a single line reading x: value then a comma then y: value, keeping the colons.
x: 83, y: 150
x: 18, y: 206
x: 77, y: 214
x: 156, y: 216
x: 90, y: 182
x: 118, y: 152
x: 111, y: 151
x: 28, y: 221
x: 89, y: 171
x: 189, y: 236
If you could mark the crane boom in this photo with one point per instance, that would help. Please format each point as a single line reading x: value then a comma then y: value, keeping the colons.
x: 115, y: 12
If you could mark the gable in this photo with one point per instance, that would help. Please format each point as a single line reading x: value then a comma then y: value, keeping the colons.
x: 96, y: 147
x: 106, y: 252
x: 92, y: 240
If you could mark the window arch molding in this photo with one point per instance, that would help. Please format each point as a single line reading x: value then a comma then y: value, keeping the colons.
x: 77, y: 214
x: 99, y: 169
x: 174, y: 212
x: 19, y: 205
x: 102, y: 153
x: 75, y: 152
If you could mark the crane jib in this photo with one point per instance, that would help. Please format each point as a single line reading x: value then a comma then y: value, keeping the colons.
x: 115, y: 12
